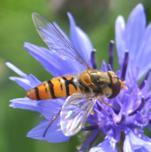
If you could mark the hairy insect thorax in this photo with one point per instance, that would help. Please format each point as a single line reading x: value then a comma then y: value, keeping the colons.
x: 101, y: 83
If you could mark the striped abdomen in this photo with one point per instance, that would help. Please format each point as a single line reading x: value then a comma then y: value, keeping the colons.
x: 55, y: 88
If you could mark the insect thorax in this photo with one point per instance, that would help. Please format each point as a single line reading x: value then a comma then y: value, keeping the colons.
x: 94, y: 81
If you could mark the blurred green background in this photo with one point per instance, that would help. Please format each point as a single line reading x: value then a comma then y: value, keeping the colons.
x: 96, y: 17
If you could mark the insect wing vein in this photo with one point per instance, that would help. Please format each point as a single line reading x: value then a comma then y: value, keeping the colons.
x: 74, y: 113
x: 56, y: 39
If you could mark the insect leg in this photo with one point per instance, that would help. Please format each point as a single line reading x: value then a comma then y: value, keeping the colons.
x: 106, y: 103
x: 51, y: 122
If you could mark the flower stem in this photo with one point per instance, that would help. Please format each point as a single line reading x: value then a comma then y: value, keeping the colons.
x: 121, y: 142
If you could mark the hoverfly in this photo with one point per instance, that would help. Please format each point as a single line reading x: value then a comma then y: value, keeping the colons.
x: 82, y: 90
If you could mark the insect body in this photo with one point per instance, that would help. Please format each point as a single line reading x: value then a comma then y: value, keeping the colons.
x: 57, y: 87
x: 90, y: 82
x: 83, y: 89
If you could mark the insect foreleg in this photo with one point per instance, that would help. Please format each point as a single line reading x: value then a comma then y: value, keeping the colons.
x: 104, y: 102
x: 51, y: 122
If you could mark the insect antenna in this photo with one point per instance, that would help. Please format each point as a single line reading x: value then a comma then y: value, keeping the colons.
x: 51, y: 122
x: 104, y: 102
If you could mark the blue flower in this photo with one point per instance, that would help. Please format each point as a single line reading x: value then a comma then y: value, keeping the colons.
x: 56, y: 63
x: 122, y: 125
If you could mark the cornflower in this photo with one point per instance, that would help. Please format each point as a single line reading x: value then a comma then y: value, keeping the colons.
x: 119, y: 127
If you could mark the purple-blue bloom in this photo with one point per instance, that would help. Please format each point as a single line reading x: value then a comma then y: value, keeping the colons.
x: 131, y: 111
x: 121, y: 125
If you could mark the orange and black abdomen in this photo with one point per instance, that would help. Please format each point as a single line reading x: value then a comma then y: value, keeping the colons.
x: 57, y: 87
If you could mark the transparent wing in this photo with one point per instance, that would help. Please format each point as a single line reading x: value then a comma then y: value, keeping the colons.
x: 74, y: 113
x: 56, y: 39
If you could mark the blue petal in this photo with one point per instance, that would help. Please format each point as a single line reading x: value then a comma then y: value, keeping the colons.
x: 89, y: 140
x: 134, y: 99
x: 134, y: 40
x: 127, y: 145
x: 47, y: 108
x: 131, y: 38
x: 50, y: 108
x: 135, y: 30
x: 104, y: 66
x: 15, y: 69
x: 80, y: 41
x: 26, y: 81
x: 119, y: 36
x: 106, y: 146
x: 52, y: 62
x: 54, y: 134
x: 133, y: 143
x: 24, y: 103
x: 144, y: 53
